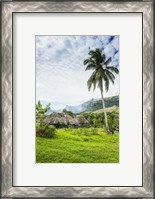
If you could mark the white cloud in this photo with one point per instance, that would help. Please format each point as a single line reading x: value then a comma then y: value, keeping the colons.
x: 60, y: 73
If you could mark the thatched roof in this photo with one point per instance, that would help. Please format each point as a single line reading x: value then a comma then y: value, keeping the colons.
x: 65, y: 119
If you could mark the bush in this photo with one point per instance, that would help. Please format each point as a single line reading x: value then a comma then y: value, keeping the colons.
x: 58, y: 125
x: 113, y: 120
x: 97, y: 120
x: 45, y: 130
x: 49, y: 131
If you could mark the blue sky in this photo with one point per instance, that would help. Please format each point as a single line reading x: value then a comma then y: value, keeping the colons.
x: 60, y: 74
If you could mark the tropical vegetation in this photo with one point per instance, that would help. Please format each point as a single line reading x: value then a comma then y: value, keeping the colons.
x: 82, y: 137
x: 102, y: 75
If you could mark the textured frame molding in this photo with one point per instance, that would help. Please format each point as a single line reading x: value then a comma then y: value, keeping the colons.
x: 7, y: 8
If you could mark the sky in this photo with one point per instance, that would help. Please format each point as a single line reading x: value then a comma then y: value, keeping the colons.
x: 61, y: 78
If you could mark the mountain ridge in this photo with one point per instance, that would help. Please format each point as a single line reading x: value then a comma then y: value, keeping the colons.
x: 91, y: 105
x: 94, y: 104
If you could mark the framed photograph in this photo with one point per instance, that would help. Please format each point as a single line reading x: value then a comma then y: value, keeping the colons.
x: 77, y: 99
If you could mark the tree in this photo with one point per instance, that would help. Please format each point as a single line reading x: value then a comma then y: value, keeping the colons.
x: 40, y: 111
x: 68, y: 112
x: 43, y: 129
x: 101, y: 76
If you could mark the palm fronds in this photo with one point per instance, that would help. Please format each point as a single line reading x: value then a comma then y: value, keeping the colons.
x: 112, y: 69
x: 102, y: 72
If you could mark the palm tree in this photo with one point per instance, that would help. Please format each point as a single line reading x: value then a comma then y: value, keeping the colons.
x: 102, y: 74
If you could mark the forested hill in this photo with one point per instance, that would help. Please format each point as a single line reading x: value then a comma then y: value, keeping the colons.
x: 94, y: 104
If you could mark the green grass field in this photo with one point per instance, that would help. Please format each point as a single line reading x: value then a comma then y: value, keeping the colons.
x: 82, y: 145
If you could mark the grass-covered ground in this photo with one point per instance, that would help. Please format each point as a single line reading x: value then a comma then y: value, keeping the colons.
x: 82, y: 145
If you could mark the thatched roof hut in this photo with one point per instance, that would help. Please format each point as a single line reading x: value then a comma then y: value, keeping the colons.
x: 64, y: 120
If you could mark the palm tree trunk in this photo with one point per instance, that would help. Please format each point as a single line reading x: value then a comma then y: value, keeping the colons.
x: 105, y: 114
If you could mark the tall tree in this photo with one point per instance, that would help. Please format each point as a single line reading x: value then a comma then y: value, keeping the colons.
x: 102, y: 75
x: 40, y: 111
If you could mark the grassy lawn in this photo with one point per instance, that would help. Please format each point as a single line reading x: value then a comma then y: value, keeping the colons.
x: 82, y: 145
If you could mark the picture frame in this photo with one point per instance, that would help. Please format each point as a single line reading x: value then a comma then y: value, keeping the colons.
x: 8, y: 8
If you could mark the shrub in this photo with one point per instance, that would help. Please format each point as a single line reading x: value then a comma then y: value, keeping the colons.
x: 97, y: 122
x: 113, y: 119
x: 58, y: 125
x: 45, y: 130
x: 49, y: 131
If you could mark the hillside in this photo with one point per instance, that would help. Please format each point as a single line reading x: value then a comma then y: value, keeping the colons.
x: 81, y: 145
x: 93, y: 105
x: 108, y: 110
